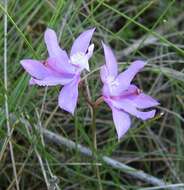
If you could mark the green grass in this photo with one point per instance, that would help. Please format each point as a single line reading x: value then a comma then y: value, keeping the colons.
x: 155, y: 146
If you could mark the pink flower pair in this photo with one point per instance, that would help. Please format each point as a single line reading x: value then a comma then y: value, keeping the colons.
x: 122, y: 97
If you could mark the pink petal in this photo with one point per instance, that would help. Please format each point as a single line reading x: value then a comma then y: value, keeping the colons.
x: 110, y: 60
x: 68, y: 96
x: 35, y: 68
x: 61, y: 64
x: 122, y: 121
x: 140, y: 100
x: 105, y: 91
x: 51, y: 81
x: 127, y: 76
x: 52, y: 43
x: 143, y: 101
x: 131, y: 91
x: 129, y: 107
x: 82, y: 42
x: 103, y: 73
x: 119, y: 94
x: 58, y: 58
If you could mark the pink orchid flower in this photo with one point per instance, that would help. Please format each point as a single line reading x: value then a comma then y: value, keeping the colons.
x: 124, y: 98
x: 61, y: 69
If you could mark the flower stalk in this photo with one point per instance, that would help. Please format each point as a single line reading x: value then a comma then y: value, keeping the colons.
x: 93, y: 107
x: 93, y: 127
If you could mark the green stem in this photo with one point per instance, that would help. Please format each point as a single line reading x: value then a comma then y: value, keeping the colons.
x: 93, y: 127
x: 93, y: 106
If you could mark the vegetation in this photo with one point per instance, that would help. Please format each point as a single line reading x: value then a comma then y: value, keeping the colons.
x: 151, y: 30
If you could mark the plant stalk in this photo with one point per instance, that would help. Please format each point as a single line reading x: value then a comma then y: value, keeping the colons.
x: 93, y: 127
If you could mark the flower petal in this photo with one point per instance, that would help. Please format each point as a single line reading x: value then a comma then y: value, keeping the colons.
x: 35, y: 68
x: 58, y: 59
x: 61, y: 64
x: 118, y: 94
x: 140, y: 100
x: 51, y: 81
x: 52, y: 44
x: 105, y: 91
x: 129, y: 107
x: 68, y: 96
x: 110, y: 60
x: 103, y: 73
x: 131, y: 91
x: 127, y: 76
x: 82, y: 42
x: 143, y: 101
x: 122, y: 121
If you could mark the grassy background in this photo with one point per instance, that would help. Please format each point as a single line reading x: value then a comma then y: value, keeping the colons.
x: 155, y: 146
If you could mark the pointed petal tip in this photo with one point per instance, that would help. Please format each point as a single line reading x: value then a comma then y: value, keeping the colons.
x: 69, y: 111
x: 104, y: 45
x: 143, y: 101
x: 119, y: 137
x: 22, y: 62
x: 102, y: 42
x: 72, y: 112
x: 81, y: 43
x: 107, y: 48
x: 26, y: 63
x: 140, y: 63
x: 92, y: 29
x: 110, y: 60
x: 66, y: 109
x: 121, y: 120
x: 156, y: 102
